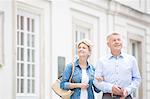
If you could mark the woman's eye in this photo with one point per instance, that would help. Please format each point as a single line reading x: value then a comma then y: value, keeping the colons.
x: 79, y: 47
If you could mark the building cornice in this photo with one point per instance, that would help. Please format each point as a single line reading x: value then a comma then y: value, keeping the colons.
x: 115, y: 8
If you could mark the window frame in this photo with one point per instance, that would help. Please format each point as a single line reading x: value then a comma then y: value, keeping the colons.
x: 36, y: 63
x: 1, y: 38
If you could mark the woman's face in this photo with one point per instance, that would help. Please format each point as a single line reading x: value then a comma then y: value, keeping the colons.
x: 83, y: 50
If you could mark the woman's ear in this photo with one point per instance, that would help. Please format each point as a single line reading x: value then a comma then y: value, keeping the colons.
x: 108, y: 44
x: 89, y: 54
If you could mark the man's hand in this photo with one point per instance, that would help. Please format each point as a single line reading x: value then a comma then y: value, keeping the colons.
x: 120, y: 91
x: 125, y: 94
x: 117, y: 90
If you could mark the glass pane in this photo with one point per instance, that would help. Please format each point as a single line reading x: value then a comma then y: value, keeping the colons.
x: 17, y: 69
x: 22, y: 23
x: 133, y: 49
x: 32, y: 25
x: 18, y: 53
x: 76, y: 36
x: 17, y: 21
x: 22, y: 69
x: 28, y: 84
x: 28, y: 70
x: 32, y: 40
x: 33, y: 55
x: 28, y: 55
x: 82, y: 35
x: 22, y: 38
x: 28, y: 40
x: 28, y: 24
x: 33, y: 84
x: 22, y: 54
x: 33, y: 70
x: 22, y: 85
x: 18, y: 38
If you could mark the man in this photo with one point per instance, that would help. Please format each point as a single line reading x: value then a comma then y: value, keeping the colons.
x: 119, y: 71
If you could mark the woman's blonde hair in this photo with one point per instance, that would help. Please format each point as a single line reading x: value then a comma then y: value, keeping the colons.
x: 86, y: 42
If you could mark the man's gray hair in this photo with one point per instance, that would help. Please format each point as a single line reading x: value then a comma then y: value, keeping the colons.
x: 114, y: 33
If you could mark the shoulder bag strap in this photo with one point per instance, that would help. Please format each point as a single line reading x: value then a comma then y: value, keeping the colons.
x: 72, y: 72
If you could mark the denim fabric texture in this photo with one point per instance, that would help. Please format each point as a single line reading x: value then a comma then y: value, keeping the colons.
x: 77, y: 79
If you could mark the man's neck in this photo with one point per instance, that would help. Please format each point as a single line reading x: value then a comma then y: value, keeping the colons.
x: 115, y: 53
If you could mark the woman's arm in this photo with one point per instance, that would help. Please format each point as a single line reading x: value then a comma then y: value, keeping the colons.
x: 99, y: 78
x: 78, y: 85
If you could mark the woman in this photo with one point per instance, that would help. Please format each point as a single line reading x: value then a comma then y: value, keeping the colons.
x: 82, y: 80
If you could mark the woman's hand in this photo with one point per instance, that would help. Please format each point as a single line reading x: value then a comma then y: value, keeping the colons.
x: 99, y: 78
x: 84, y: 85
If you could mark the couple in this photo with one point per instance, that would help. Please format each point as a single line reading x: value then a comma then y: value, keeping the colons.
x: 116, y: 74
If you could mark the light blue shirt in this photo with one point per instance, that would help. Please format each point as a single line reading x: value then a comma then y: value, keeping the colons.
x: 121, y: 70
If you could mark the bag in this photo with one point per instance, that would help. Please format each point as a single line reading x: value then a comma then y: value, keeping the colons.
x: 65, y: 94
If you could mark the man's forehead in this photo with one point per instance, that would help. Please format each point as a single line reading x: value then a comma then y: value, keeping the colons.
x: 115, y: 36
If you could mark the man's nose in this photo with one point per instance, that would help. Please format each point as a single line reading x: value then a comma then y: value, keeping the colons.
x: 117, y: 41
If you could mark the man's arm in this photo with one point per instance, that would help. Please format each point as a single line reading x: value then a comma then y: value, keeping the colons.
x: 101, y: 85
x: 136, y: 78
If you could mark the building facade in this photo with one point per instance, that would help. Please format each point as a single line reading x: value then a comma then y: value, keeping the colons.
x: 37, y: 39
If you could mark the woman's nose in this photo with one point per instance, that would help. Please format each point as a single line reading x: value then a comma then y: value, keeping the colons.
x: 80, y: 48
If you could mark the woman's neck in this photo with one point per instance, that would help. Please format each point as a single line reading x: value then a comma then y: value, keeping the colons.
x: 82, y: 62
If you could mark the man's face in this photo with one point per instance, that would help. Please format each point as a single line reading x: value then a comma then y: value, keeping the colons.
x: 115, y: 42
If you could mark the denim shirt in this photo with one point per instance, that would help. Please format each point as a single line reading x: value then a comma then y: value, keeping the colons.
x: 77, y: 77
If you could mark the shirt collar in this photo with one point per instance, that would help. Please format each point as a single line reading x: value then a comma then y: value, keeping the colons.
x: 119, y: 56
x: 76, y: 63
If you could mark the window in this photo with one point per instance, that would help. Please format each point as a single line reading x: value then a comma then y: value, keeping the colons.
x: 81, y: 30
x: 85, y: 25
x: 1, y: 39
x: 25, y: 55
x: 80, y: 33
x: 27, y: 78
x: 136, y: 49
